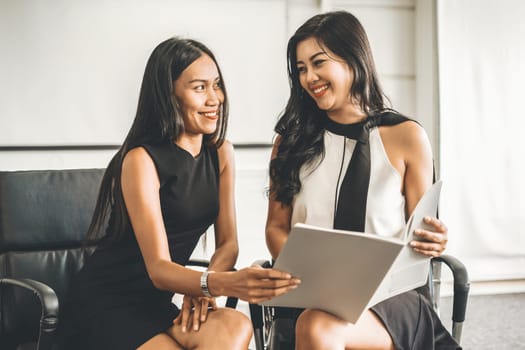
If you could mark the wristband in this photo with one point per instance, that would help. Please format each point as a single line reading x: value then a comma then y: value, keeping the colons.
x: 204, y: 284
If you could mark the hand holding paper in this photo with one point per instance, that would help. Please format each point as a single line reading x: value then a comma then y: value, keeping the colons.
x: 431, y: 242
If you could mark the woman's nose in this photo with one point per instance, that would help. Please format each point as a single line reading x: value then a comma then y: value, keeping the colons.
x: 311, y: 76
x: 213, y: 97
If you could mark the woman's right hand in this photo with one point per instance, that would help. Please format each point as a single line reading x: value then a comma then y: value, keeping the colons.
x: 252, y: 284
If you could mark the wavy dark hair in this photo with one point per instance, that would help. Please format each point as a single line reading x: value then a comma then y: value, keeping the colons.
x: 301, y: 123
x: 158, y: 120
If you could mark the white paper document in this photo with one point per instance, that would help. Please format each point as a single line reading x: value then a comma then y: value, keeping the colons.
x: 345, y: 273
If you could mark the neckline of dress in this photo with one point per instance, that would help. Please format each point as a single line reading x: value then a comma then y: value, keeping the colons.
x: 357, y: 130
x: 188, y: 154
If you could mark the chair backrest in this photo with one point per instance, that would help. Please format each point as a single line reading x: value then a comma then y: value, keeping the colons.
x: 44, y: 216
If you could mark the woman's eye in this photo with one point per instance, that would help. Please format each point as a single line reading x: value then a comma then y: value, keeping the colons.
x: 217, y: 85
x: 318, y: 62
x: 199, y: 88
x: 301, y: 69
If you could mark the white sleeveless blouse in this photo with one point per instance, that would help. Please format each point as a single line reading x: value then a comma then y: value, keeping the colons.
x: 315, y: 203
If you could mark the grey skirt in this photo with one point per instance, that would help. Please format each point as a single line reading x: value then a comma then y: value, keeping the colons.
x: 409, y: 319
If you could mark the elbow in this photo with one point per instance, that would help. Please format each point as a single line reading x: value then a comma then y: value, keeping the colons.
x: 156, y: 275
x: 270, y: 244
x: 276, y: 236
x: 270, y: 238
x: 235, y: 253
x: 274, y: 252
x: 229, y: 249
x: 233, y: 248
x: 156, y: 281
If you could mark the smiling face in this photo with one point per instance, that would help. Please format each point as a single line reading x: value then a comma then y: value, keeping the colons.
x: 199, y: 93
x: 327, y: 78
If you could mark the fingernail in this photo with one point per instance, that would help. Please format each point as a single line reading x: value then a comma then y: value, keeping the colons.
x: 183, y: 329
x: 195, y: 328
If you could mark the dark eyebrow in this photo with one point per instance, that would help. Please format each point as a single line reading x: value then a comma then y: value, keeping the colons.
x: 313, y: 56
x: 203, y: 80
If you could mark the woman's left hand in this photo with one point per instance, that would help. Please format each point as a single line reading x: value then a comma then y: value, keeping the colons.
x: 194, y: 311
x: 431, y: 243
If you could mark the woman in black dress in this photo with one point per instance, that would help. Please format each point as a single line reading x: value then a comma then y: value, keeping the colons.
x: 172, y: 178
x: 344, y: 160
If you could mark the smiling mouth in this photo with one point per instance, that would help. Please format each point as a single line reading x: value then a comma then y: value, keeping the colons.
x: 319, y: 90
x: 211, y: 115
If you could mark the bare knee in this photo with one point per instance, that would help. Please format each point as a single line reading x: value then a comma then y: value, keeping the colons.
x: 224, y: 329
x: 234, y: 328
x: 238, y: 324
x: 160, y: 341
x: 317, y: 329
x: 320, y: 330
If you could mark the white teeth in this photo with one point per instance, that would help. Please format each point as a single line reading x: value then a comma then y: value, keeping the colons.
x: 210, y: 114
x: 319, y: 89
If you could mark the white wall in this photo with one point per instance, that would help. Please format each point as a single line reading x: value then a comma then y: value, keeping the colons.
x: 71, y: 71
x: 390, y: 27
x: 79, y: 65
x: 482, y: 70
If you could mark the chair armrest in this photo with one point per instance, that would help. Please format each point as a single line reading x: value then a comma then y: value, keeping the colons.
x: 49, y: 303
x: 231, y: 302
x: 263, y: 263
x: 199, y: 262
x: 461, y: 286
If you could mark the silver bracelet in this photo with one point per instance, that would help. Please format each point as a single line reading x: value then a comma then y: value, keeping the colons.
x: 204, y: 284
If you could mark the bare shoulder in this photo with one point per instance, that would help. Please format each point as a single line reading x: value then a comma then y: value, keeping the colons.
x: 226, y: 155
x: 408, y: 135
x: 137, y: 160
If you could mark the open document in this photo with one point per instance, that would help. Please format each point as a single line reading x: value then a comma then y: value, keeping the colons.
x: 345, y: 273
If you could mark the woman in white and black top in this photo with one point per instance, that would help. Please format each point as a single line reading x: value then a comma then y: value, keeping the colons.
x: 342, y: 159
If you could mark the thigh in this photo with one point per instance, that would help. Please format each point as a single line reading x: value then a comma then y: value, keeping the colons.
x: 233, y: 327
x: 160, y: 341
x: 125, y: 327
x: 367, y: 333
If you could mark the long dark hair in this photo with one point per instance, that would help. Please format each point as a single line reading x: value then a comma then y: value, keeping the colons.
x: 158, y: 119
x: 301, y: 124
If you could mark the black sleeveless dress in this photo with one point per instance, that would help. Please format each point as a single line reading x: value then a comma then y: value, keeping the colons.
x: 112, y: 303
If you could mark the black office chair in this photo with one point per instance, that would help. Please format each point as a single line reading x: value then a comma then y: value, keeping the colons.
x: 44, y: 216
x: 274, y: 327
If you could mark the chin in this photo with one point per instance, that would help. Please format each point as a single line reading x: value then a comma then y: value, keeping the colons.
x: 210, y: 130
x: 324, y: 106
x: 325, y: 103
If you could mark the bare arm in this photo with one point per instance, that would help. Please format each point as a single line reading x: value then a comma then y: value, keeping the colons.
x: 418, y: 179
x: 278, y: 220
x: 418, y: 163
x: 226, y: 245
x: 410, y: 152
